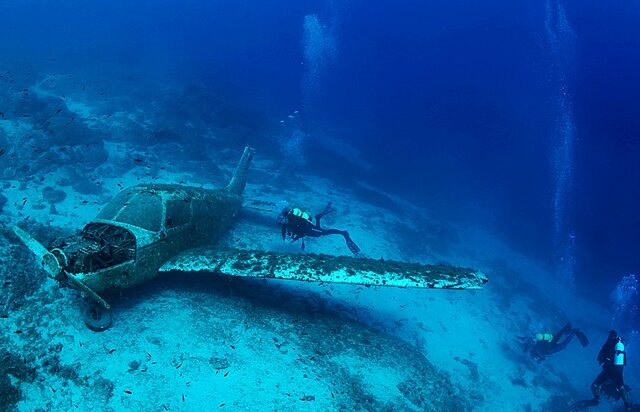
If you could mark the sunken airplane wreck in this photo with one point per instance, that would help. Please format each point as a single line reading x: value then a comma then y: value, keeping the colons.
x: 148, y: 229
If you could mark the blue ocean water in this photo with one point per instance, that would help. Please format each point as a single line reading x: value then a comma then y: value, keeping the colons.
x: 519, y: 118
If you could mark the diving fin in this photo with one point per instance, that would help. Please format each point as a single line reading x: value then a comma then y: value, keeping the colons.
x: 583, y: 405
x: 327, y: 209
x: 352, y: 246
x: 584, y: 341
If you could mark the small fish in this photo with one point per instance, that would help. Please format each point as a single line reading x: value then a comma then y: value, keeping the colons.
x: 58, y: 111
x: 165, y: 407
x: 18, y: 332
x: 3, y: 316
x: 24, y: 201
x: 178, y: 367
x: 221, y: 405
x: 52, y: 389
x: 7, y: 283
x: 111, y: 351
x: 138, y: 160
x: 183, y: 397
x: 1, y: 151
x: 225, y: 375
x: 148, y: 354
x: 128, y: 392
x: 232, y: 347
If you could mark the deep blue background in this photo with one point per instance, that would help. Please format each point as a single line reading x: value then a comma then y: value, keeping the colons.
x: 452, y: 102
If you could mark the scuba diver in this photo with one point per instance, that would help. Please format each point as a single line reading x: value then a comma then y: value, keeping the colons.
x: 610, y: 380
x: 613, y: 359
x: 543, y: 344
x: 297, y: 224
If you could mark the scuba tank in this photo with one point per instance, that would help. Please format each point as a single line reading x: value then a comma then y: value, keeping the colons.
x: 619, y: 355
x: 302, y: 214
x: 544, y: 337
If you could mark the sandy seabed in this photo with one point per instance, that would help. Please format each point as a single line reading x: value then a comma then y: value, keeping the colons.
x: 201, y: 342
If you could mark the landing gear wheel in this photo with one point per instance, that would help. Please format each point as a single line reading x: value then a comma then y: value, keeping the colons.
x: 96, y: 317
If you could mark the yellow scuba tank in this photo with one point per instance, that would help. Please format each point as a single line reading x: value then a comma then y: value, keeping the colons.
x: 302, y: 214
x: 544, y: 337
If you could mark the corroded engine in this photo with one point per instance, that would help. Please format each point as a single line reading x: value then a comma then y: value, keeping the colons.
x: 98, y: 246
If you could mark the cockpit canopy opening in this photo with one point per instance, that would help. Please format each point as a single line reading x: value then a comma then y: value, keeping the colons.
x: 141, y: 209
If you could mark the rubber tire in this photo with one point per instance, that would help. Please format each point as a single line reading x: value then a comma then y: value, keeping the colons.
x: 97, y: 318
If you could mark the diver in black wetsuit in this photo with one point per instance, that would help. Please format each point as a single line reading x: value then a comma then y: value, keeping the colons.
x: 543, y: 344
x: 297, y: 224
x: 613, y: 359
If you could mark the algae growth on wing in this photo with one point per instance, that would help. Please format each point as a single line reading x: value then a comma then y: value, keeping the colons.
x: 325, y: 268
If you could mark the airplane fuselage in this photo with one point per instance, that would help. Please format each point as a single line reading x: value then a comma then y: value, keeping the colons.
x: 164, y: 221
x: 139, y: 230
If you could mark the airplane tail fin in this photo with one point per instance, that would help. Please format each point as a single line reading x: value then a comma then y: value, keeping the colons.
x: 239, y: 179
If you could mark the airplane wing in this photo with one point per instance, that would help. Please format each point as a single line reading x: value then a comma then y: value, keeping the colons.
x: 324, y: 268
